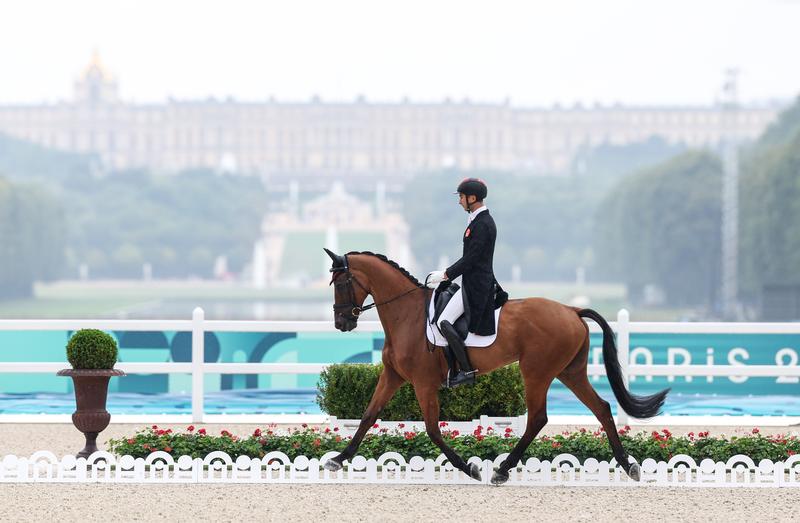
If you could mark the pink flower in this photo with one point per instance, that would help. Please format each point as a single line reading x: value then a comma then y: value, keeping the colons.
x: 756, y: 431
x: 131, y: 441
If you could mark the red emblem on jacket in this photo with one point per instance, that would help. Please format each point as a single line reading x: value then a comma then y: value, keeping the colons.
x: 466, y: 234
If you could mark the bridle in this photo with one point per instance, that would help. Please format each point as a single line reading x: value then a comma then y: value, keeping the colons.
x: 352, y: 311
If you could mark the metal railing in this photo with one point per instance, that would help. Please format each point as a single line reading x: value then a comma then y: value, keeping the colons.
x: 198, y: 368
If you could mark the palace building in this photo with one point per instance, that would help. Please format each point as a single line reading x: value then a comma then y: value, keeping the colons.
x: 318, y: 139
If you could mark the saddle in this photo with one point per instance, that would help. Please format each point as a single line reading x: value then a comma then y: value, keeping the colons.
x: 441, y: 297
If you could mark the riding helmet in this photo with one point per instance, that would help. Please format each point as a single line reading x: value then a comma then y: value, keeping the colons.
x: 473, y: 187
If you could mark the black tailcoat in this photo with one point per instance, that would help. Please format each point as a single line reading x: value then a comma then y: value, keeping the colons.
x: 475, y: 268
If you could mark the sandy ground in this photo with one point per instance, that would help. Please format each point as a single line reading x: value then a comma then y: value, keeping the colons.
x: 94, y: 502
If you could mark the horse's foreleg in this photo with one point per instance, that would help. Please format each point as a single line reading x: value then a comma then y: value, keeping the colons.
x: 428, y: 398
x: 388, y: 383
x: 536, y: 401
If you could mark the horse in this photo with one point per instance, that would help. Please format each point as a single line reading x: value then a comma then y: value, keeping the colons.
x: 548, y: 339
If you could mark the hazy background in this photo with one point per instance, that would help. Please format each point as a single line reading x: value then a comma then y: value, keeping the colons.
x: 155, y: 157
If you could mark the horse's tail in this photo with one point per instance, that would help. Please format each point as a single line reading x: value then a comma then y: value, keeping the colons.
x: 637, y: 406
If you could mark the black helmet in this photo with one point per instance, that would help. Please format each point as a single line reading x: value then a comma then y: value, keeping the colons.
x: 473, y: 187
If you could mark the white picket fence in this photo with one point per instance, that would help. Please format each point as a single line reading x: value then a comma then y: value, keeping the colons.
x: 391, y: 468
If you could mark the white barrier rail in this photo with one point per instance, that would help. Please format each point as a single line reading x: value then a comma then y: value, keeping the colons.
x: 199, y: 326
x: 393, y: 468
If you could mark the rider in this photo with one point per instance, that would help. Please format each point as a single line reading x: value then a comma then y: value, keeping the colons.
x: 478, y: 281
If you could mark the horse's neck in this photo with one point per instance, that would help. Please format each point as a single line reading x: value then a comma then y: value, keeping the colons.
x: 387, y: 284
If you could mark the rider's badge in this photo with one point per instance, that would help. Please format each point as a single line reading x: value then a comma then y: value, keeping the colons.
x: 466, y: 234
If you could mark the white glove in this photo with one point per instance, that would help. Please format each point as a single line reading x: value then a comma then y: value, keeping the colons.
x: 434, y: 278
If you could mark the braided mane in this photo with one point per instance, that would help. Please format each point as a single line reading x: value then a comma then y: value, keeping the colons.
x: 394, y: 264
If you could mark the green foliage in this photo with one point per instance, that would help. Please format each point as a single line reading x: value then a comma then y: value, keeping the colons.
x: 344, y: 390
x: 483, y: 442
x: 32, y: 237
x: 662, y: 226
x: 769, y: 245
x: 91, y: 349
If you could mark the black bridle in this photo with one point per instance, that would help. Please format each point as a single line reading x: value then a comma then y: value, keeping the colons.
x: 352, y: 310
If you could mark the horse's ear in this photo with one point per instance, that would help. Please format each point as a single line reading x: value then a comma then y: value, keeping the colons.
x: 338, y: 261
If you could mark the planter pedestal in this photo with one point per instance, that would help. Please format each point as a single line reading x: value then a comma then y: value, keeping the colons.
x: 91, y: 391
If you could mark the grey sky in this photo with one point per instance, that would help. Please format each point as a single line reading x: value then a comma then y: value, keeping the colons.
x: 535, y: 52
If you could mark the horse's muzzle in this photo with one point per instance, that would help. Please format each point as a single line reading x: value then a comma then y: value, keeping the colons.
x: 345, y: 324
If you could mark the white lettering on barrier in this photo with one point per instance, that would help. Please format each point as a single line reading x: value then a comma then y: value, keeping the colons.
x: 672, y: 352
x: 738, y: 351
x: 792, y: 355
x: 647, y: 355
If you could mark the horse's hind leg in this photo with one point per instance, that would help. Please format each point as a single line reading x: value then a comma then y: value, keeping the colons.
x: 577, y: 381
x: 388, y: 383
x: 536, y: 401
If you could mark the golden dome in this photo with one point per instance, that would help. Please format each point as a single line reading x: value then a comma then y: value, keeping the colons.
x: 96, y: 68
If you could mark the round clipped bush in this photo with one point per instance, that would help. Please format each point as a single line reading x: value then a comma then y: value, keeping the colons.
x: 91, y: 349
x: 344, y: 390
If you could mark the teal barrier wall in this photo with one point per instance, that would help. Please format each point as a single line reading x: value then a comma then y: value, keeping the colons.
x: 334, y: 347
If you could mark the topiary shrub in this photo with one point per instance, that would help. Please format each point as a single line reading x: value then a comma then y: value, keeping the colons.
x: 344, y: 390
x: 91, y: 349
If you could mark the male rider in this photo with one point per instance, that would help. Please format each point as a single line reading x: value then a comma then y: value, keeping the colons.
x: 477, y: 281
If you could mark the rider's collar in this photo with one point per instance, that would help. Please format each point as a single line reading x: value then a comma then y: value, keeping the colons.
x: 474, y: 213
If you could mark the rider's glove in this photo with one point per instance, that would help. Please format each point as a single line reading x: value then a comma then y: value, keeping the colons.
x: 434, y: 278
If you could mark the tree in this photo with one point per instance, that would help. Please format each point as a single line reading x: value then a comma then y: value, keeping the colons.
x: 31, y: 238
x: 662, y: 226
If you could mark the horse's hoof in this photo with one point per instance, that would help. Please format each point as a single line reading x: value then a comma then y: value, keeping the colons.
x: 332, y: 465
x: 474, y: 472
x: 498, y: 478
x: 635, y: 472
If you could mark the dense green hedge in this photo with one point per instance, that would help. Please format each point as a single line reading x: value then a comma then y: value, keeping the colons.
x: 345, y: 391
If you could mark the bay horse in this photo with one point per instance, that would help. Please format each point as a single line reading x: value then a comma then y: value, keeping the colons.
x: 548, y: 339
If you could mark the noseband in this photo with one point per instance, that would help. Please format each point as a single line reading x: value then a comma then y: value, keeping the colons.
x: 352, y: 311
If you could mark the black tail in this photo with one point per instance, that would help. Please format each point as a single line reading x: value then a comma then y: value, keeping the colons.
x: 637, y: 406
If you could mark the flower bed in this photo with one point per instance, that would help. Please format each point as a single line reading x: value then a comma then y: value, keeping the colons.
x: 483, y: 442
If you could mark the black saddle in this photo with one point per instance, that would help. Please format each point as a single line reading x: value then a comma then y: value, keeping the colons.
x: 441, y: 296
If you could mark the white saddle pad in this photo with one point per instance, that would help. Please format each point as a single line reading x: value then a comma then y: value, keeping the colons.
x: 473, y: 340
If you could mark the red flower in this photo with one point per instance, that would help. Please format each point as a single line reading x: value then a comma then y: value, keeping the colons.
x: 489, y: 429
x: 479, y: 437
x: 401, y: 425
x: 375, y: 426
x: 338, y: 439
x: 167, y: 449
x: 479, y: 429
x: 583, y: 430
x: 201, y: 431
x: 131, y: 441
x: 336, y: 429
x: 190, y: 428
x: 225, y: 433
x: 508, y: 430
x: 790, y: 452
x: 756, y: 431
x: 257, y: 432
x: 455, y: 433
x: 317, y: 442
x: 556, y: 445
x: 442, y: 424
x: 263, y: 441
x: 327, y: 429
x: 154, y: 427
x: 304, y: 425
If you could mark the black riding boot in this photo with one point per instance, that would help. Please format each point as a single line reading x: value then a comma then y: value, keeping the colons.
x: 466, y: 374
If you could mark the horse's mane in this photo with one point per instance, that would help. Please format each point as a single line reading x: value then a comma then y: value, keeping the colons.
x: 394, y: 264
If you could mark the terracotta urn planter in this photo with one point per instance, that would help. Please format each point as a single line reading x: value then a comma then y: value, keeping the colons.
x: 91, y: 391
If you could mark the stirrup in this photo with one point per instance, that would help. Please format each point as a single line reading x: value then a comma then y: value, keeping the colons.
x: 460, y: 378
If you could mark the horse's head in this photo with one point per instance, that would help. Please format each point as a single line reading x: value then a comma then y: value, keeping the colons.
x: 349, y: 292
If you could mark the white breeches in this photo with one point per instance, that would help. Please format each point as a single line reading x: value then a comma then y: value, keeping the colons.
x: 453, y: 310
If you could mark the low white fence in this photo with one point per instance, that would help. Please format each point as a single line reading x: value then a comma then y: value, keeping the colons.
x: 786, y: 367
x: 391, y: 468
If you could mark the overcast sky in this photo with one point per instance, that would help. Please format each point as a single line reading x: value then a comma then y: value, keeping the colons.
x: 532, y: 52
